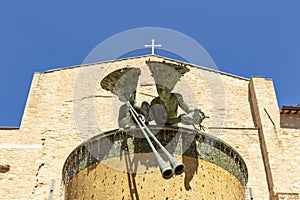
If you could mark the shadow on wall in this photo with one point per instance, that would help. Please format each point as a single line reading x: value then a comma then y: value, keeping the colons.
x: 191, y: 164
x: 131, y: 168
x: 291, y: 121
x: 132, y: 163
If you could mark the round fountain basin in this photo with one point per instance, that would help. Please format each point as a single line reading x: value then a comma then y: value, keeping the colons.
x: 120, y: 165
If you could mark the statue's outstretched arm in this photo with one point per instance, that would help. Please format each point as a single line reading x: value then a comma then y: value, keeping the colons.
x: 193, y: 116
x: 182, y: 104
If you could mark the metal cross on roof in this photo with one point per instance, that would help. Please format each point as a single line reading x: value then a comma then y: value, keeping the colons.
x: 152, y: 45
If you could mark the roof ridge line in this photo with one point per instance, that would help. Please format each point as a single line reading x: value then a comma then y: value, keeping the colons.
x: 147, y: 55
x: 204, y: 68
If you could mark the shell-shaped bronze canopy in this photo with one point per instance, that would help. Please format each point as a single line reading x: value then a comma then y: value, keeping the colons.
x: 166, y: 74
x: 122, y: 82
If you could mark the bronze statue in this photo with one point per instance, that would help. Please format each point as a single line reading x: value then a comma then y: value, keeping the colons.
x: 125, y: 118
x: 164, y: 108
x: 123, y: 83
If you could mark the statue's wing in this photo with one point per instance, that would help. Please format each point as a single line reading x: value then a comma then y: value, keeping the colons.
x: 122, y: 82
x: 167, y: 74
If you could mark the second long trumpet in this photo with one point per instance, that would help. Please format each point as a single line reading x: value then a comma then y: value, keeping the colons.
x: 167, y: 172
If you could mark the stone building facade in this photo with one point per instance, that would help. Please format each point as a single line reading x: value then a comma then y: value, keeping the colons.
x: 66, y: 106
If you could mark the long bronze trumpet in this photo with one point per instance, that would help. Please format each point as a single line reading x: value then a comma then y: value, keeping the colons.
x: 167, y: 172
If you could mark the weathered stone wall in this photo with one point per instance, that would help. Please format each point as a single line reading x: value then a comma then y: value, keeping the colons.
x: 280, y: 147
x: 66, y: 106
x: 21, y: 155
x: 286, y: 164
x: 290, y: 121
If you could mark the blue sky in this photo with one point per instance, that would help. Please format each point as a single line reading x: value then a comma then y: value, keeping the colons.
x: 245, y: 38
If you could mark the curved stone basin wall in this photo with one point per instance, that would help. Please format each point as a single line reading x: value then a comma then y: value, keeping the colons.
x: 120, y: 165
